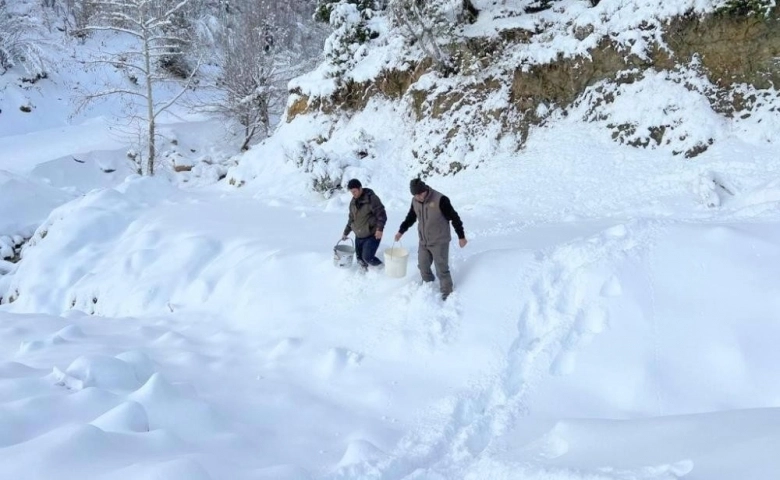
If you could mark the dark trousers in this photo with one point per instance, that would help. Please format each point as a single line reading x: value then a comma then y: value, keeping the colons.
x: 365, y: 250
x: 438, y: 255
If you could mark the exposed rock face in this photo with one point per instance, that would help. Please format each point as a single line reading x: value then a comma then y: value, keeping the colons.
x: 732, y: 49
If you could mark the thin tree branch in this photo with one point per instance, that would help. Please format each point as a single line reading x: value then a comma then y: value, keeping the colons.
x: 113, y: 29
x: 184, y: 89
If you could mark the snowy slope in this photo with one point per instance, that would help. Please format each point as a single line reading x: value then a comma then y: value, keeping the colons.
x: 637, y: 308
x: 614, y: 317
x: 444, y: 124
x: 50, y: 152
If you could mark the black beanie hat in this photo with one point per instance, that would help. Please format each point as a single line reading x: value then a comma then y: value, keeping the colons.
x: 417, y: 186
x: 354, y: 183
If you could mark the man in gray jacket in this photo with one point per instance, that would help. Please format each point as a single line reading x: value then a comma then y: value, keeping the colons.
x: 367, y: 218
x: 433, y: 213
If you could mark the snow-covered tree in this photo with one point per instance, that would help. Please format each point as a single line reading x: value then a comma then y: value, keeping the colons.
x: 350, y: 21
x: 264, y: 44
x: 21, y: 43
x: 325, y: 7
x: 432, y: 25
x: 152, y: 27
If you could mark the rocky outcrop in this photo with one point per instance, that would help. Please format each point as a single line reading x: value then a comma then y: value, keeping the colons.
x: 727, y: 49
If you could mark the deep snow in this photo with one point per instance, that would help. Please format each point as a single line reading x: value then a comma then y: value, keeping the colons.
x: 614, y: 317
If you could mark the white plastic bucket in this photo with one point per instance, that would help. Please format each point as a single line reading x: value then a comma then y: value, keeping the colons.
x: 343, y: 255
x: 395, y: 261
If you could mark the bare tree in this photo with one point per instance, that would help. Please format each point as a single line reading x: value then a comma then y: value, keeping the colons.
x: 149, y: 23
x: 264, y: 44
x: 78, y: 13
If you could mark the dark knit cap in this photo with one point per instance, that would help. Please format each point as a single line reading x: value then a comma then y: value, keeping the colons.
x: 354, y: 183
x: 417, y: 186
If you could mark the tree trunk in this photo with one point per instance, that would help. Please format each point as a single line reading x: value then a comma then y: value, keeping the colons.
x: 249, y: 132
x: 149, y: 104
x: 265, y: 117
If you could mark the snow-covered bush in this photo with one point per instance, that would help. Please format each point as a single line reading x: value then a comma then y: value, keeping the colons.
x: 666, y: 110
x: 711, y: 189
x: 325, y: 8
x: 363, y: 145
x: 755, y: 112
x: 326, y: 172
x: 330, y: 165
x: 759, y: 8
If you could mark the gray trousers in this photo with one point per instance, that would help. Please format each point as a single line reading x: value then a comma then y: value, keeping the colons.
x: 438, y: 255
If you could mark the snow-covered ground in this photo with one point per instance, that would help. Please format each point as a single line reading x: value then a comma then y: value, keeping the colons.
x: 223, y: 342
x: 615, y: 313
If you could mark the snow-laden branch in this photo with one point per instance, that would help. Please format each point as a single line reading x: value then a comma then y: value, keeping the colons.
x: 112, y: 91
x: 113, y: 29
x: 183, y: 90
x: 116, y: 63
x: 119, y: 18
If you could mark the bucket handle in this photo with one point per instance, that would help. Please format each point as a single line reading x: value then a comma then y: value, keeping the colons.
x: 392, y: 248
x: 350, y: 239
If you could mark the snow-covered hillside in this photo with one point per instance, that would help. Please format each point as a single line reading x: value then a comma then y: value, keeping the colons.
x: 614, y: 315
x: 669, y: 76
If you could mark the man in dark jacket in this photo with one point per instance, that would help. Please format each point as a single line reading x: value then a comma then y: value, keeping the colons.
x: 367, y: 219
x: 433, y: 213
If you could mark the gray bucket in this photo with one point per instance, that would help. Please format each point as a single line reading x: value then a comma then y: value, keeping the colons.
x: 343, y: 254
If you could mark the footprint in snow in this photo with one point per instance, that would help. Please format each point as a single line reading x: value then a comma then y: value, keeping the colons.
x: 284, y: 347
x: 336, y: 360
x: 34, y: 345
x: 359, y: 460
x: 611, y: 287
